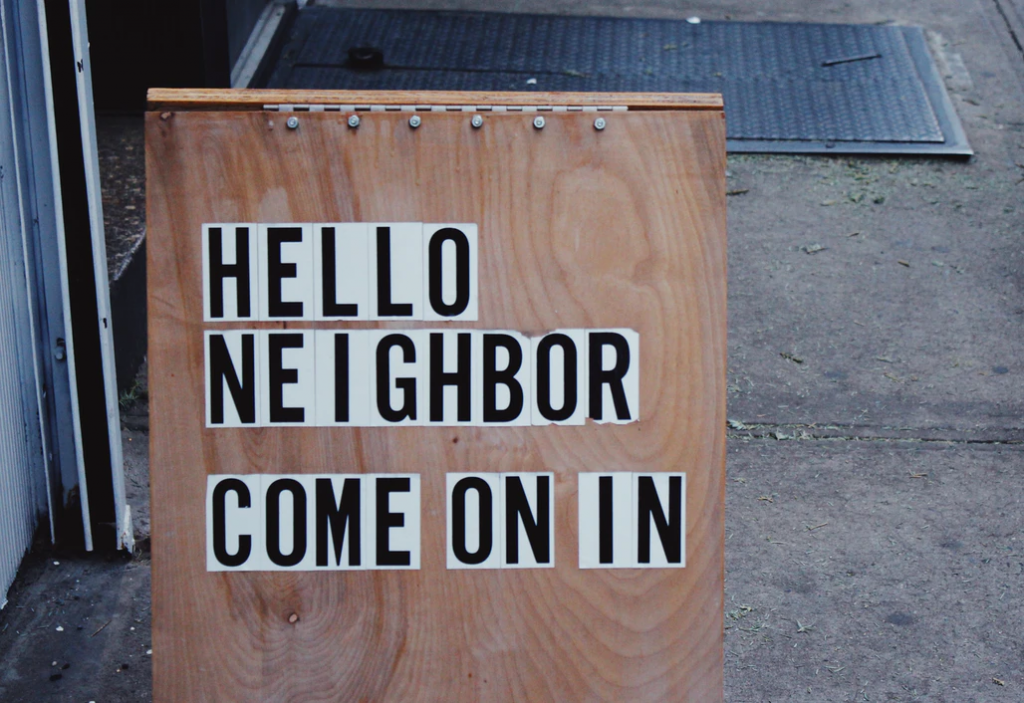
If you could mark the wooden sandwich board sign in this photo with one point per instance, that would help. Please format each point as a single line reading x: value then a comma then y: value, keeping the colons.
x: 437, y: 411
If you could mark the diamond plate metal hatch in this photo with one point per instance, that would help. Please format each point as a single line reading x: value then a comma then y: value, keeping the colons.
x: 827, y: 88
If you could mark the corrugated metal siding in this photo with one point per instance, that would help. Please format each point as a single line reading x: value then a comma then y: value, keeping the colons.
x: 17, y: 499
x: 22, y: 471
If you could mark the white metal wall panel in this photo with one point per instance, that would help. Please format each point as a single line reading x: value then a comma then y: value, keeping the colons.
x: 55, y: 352
x: 80, y: 39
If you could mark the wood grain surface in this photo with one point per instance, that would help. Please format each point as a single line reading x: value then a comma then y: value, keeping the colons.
x: 578, y: 228
x: 255, y: 99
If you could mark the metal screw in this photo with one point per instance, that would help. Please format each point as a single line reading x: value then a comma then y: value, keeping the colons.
x: 477, y: 121
x: 293, y: 122
x: 415, y: 121
x: 538, y: 122
x: 599, y: 124
x: 353, y: 121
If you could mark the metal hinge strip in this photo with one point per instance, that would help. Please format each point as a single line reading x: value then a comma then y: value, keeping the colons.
x: 445, y: 108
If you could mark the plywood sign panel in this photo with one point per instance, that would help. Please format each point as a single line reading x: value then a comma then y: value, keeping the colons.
x: 342, y: 552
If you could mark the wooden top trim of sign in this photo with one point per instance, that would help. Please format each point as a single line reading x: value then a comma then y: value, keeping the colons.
x: 248, y: 99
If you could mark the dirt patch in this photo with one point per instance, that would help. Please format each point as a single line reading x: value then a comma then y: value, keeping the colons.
x: 121, y: 142
x: 77, y: 628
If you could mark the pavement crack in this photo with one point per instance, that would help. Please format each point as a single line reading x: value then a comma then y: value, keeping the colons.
x: 869, y: 433
x: 1009, y: 27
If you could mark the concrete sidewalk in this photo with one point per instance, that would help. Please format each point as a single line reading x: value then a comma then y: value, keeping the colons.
x: 876, y: 395
x: 873, y: 507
